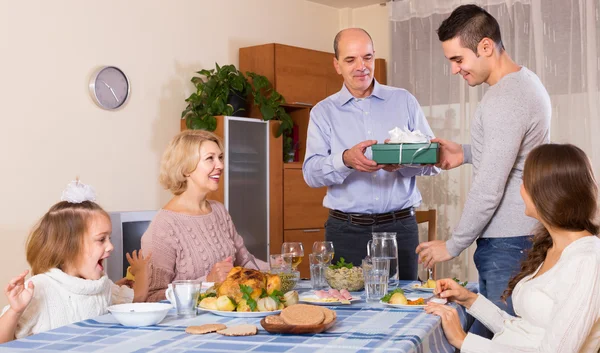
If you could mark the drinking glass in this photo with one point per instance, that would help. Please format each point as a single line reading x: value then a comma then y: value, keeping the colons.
x: 296, y: 250
x: 317, y: 263
x: 280, y: 262
x: 324, y: 247
x: 376, y: 272
x: 186, y: 294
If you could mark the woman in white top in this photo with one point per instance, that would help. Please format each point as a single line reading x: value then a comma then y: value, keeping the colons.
x: 556, y: 295
x: 66, y: 251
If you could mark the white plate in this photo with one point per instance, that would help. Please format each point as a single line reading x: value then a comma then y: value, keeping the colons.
x: 412, y: 297
x: 247, y: 314
x: 417, y: 286
x: 314, y: 299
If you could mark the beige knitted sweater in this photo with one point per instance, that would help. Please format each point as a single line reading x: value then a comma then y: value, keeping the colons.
x: 186, y: 247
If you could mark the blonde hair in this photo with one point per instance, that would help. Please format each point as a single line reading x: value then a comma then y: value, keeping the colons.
x: 57, y: 238
x: 181, y: 158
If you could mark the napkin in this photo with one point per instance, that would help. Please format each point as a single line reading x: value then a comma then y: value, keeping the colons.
x: 398, y: 135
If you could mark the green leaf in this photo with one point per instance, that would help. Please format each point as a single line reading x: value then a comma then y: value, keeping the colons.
x: 246, y: 292
x: 386, y: 298
x: 277, y: 296
x: 206, y: 295
x: 205, y: 72
x: 464, y: 284
x: 267, y: 112
x: 341, y: 263
x: 184, y: 113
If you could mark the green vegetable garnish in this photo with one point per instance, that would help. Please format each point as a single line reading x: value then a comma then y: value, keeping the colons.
x: 246, y: 292
x: 386, y: 298
x: 459, y: 282
x: 277, y: 296
x: 341, y: 263
x: 206, y: 295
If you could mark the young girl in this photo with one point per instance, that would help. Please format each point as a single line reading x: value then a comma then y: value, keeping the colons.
x: 66, y: 252
x: 556, y: 295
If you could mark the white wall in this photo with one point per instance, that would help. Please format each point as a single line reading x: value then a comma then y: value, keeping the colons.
x: 51, y: 131
x: 375, y: 20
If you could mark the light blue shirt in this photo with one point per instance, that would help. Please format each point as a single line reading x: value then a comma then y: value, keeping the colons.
x: 341, y: 121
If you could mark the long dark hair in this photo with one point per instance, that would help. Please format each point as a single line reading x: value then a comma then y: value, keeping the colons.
x: 561, y: 183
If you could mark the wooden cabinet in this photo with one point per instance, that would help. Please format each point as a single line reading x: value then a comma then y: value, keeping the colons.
x: 302, y: 205
x: 303, y: 77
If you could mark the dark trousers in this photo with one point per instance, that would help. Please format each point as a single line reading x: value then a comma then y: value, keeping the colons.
x: 350, y: 242
x: 497, y: 261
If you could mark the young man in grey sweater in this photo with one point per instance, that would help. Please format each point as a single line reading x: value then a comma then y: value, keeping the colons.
x: 512, y: 118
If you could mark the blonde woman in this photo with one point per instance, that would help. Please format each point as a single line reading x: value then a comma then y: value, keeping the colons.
x: 192, y: 237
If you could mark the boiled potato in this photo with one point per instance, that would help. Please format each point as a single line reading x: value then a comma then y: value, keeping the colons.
x: 430, y: 283
x: 224, y: 303
x: 398, y: 298
x: 243, y: 306
x: 209, y: 303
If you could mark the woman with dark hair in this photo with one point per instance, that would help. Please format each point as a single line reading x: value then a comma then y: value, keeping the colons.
x: 556, y: 295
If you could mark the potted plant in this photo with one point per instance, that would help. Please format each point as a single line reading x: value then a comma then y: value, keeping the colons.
x: 270, y: 103
x: 224, y: 91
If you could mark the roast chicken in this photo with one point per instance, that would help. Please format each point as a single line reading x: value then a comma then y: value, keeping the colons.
x: 254, y: 279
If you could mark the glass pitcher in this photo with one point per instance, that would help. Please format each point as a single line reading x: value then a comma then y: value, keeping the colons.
x: 385, y: 246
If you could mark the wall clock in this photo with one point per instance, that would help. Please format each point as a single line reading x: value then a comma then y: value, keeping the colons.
x: 109, y: 87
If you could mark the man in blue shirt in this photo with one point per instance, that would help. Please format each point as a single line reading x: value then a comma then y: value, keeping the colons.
x: 364, y: 197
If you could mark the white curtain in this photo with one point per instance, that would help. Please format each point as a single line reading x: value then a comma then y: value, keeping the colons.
x: 557, y: 39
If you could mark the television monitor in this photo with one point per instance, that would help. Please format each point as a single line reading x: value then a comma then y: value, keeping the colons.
x: 127, y: 231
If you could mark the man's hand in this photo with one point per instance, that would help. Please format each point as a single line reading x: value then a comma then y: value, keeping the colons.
x: 432, y: 252
x: 355, y: 158
x: 451, y: 154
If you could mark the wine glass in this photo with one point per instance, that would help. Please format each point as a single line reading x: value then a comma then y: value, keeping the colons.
x: 324, y: 247
x: 296, y: 250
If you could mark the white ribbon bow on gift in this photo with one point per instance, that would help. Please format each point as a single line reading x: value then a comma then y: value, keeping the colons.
x: 401, y: 136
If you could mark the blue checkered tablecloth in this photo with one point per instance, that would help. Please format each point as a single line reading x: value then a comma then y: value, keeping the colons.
x: 361, y: 328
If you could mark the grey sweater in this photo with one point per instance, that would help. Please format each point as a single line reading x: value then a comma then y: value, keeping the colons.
x: 512, y: 118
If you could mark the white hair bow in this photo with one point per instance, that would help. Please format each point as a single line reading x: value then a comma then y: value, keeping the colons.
x: 77, y: 192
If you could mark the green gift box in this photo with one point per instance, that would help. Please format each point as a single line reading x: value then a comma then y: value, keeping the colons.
x: 406, y: 153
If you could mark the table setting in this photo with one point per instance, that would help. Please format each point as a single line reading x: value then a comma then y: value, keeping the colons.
x: 337, y: 310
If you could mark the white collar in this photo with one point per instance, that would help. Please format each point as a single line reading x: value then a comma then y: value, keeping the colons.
x: 79, y: 285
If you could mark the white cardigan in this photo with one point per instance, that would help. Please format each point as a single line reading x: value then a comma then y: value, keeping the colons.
x: 60, y: 299
x: 559, y: 311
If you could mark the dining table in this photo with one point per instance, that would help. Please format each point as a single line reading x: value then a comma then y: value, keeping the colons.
x: 361, y: 327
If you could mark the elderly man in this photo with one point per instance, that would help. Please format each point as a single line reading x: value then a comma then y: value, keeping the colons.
x: 364, y: 197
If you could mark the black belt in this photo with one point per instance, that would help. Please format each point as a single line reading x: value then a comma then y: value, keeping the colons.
x: 365, y: 219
